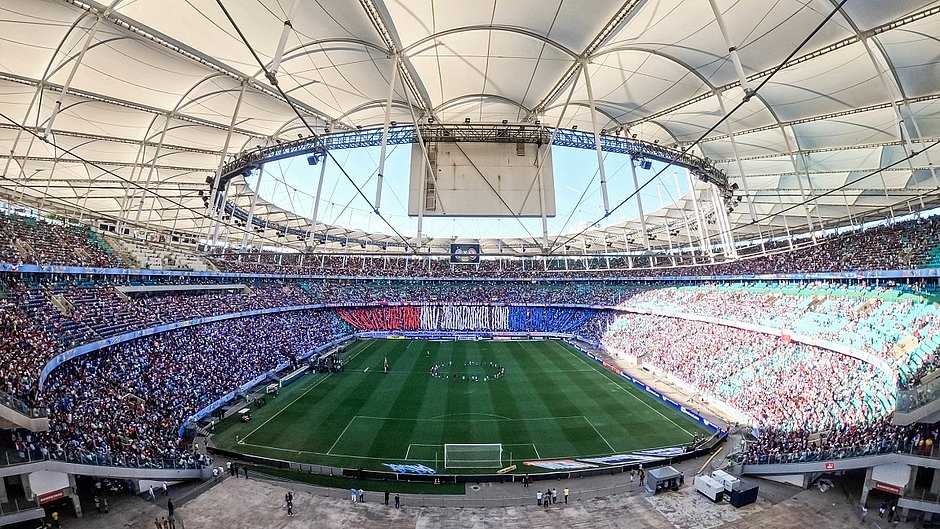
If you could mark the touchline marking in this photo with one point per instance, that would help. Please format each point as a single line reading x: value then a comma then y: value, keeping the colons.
x: 580, y: 356
x: 341, y: 434
x: 374, y: 458
x: 302, y: 395
x: 439, y: 419
x: 600, y: 434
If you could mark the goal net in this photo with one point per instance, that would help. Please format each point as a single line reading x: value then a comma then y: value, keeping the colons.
x: 473, y: 456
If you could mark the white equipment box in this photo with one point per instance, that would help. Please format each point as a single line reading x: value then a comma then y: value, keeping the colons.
x: 709, y: 487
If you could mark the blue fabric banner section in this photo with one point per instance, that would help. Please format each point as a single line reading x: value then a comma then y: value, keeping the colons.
x: 548, y: 319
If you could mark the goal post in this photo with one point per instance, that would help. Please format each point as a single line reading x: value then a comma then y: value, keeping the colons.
x: 473, y: 455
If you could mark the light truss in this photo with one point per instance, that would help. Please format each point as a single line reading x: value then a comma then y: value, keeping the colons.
x: 482, y: 133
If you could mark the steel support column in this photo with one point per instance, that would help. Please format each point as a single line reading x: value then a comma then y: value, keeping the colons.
x: 249, y: 226
x: 213, y: 216
x: 724, y: 227
x: 153, y: 163
x: 316, y: 198
x: 597, y: 137
x: 639, y: 203
x: 699, y: 219
x: 737, y: 160
x: 538, y: 172
x: 393, y: 76
x: 68, y: 81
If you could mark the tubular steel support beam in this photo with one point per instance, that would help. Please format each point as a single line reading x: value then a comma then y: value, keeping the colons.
x: 316, y: 198
x: 639, y: 202
x: 249, y: 232
x: 282, y: 42
x: 538, y: 173
x: 597, y: 138
x: 732, y: 50
x: 215, y: 216
x: 68, y: 81
x: 737, y: 160
x: 153, y: 164
x: 393, y: 76
x: 699, y: 219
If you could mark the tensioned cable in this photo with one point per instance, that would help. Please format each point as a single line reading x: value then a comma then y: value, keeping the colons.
x: 843, y: 186
x: 98, y: 166
x: 711, y: 129
x: 273, y: 80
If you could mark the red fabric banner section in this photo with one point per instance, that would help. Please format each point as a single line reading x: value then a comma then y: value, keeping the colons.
x: 383, y: 318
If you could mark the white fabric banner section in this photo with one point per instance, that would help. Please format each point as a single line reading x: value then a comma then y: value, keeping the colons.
x: 464, y: 318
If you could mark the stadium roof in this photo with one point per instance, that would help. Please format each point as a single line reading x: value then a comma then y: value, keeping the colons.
x: 154, y: 86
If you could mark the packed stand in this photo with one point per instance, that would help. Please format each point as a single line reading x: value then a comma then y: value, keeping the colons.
x: 125, y: 404
x: 898, y: 246
x: 26, y: 240
x: 791, y: 393
x: 900, y: 327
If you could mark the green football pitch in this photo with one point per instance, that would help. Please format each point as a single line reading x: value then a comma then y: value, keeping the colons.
x: 538, y: 399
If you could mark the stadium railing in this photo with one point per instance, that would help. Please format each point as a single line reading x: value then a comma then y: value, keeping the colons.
x: 15, y: 457
x: 913, y: 398
x: 888, y: 447
x: 22, y: 406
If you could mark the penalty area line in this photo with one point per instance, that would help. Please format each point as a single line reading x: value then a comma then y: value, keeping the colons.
x: 302, y: 395
x: 341, y: 434
x: 599, y: 434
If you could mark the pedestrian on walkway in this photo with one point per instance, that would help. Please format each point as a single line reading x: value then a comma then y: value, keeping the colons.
x: 353, y: 495
x: 151, y: 495
x: 386, y: 497
x: 362, y: 496
x: 566, y: 492
x: 554, y: 495
x: 164, y: 488
x: 397, y: 501
x: 246, y: 472
x: 538, y: 498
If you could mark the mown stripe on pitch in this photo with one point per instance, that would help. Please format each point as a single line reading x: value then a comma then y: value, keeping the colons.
x: 409, y: 393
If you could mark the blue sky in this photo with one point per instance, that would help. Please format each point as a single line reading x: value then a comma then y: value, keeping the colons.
x: 577, y: 192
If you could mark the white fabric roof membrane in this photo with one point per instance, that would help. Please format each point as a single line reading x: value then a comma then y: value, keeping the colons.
x: 153, y: 87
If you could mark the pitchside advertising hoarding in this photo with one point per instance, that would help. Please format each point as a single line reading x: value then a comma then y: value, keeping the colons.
x: 465, y: 253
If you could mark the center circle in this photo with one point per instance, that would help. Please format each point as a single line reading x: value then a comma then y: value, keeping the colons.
x: 470, y: 371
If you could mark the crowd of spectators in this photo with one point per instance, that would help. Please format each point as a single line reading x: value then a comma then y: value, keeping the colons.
x: 895, y: 246
x: 35, y: 241
x: 778, y: 383
x: 900, y: 327
x: 126, y: 403
x: 781, y: 383
x: 797, y: 397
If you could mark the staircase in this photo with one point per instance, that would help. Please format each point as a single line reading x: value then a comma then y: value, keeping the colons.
x: 119, y: 249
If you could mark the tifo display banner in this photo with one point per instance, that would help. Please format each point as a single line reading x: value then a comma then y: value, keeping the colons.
x: 560, y: 464
x: 673, y: 451
x: 464, y: 318
x: 465, y: 253
x: 411, y: 469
